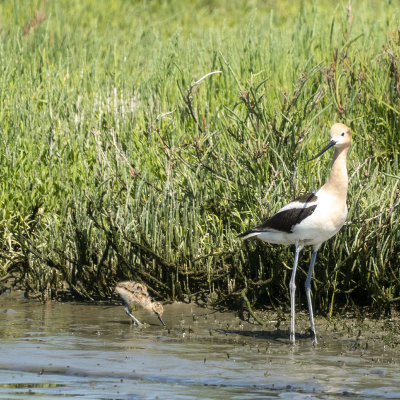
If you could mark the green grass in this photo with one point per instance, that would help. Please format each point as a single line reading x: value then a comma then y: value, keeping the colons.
x: 114, y: 165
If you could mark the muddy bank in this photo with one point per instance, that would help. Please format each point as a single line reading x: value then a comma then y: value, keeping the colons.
x: 93, y: 351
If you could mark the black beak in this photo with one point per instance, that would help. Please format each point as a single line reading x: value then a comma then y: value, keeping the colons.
x: 159, y: 317
x: 328, y: 146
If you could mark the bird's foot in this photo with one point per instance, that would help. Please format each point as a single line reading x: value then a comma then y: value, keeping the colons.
x: 314, y: 336
x: 292, y: 339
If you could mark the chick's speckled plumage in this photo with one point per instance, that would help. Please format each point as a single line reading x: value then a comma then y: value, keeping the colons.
x: 136, y: 293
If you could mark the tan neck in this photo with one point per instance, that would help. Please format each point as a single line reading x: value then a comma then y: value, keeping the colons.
x: 338, y: 180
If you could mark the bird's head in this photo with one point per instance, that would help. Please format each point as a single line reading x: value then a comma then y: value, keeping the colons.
x: 340, y: 138
x: 158, y: 309
x: 340, y: 135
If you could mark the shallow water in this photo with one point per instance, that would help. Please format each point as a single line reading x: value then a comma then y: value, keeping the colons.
x: 92, y: 351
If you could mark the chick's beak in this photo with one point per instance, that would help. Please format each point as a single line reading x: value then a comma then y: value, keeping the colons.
x: 327, y: 147
x: 161, y: 320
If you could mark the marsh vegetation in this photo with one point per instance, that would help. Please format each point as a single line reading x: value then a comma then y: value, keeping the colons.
x: 118, y: 161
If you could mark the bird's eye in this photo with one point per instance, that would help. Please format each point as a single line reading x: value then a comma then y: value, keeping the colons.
x: 343, y: 133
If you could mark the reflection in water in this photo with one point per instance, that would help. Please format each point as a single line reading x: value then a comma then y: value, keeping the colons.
x: 92, y: 351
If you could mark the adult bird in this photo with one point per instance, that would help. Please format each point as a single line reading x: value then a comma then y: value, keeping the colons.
x: 312, y: 218
x: 135, y: 293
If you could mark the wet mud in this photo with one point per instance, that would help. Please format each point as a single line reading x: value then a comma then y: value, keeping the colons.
x: 73, y: 350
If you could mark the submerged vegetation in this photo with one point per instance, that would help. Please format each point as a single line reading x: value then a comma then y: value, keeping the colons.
x: 139, y: 138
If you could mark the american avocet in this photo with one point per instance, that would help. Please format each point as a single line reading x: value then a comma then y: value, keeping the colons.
x: 312, y: 218
x: 135, y: 293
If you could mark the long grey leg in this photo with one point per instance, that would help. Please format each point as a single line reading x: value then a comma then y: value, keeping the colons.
x: 132, y: 316
x: 308, y: 291
x: 292, y: 287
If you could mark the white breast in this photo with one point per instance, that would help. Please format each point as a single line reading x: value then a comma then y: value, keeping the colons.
x: 325, y: 222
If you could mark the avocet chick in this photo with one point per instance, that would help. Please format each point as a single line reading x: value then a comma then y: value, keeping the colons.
x: 133, y: 293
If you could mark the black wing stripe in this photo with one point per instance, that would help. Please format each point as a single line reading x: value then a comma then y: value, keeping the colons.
x: 284, y: 221
x: 245, y: 233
